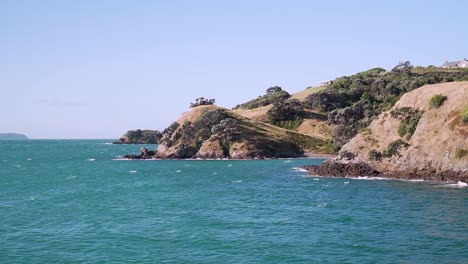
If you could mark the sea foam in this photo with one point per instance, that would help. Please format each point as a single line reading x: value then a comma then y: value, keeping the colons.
x: 299, y: 169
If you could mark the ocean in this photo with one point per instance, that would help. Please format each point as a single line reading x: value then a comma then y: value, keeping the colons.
x: 75, y: 201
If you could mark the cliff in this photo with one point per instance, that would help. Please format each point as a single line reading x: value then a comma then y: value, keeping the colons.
x: 416, y: 138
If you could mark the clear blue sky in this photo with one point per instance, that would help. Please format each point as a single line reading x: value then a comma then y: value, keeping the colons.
x: 94, y: 69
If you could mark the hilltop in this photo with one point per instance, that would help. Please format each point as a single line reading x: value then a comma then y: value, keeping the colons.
x: 423, y: 136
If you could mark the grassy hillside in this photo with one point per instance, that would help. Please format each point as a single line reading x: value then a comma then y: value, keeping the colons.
x: 434, y: 138
x: 214, y: 132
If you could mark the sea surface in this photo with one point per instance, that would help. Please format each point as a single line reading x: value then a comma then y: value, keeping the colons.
x: 75, y: 201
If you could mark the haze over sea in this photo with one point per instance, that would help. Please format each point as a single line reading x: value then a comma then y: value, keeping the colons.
x: 72, y: 201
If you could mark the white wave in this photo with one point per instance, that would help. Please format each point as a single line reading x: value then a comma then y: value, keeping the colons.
x: 416, y: 180
x: 28, y: 159
x: 237, y: 181
x: 316, y: 179
x: 215, y: 173
x: 71, y: 177
x: 299, y: 169
x: 287, y: 161
x: 17, y: 166
x: 178, y: 171
x: 368, y: 178
x: 459, y: 184
x: 346, y: 183
x: 108, y: 143
x: 229, y: 165
x: 132, y: 171
x: 91, y: 159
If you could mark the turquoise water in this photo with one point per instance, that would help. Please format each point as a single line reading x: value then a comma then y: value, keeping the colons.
x: 70, y: 201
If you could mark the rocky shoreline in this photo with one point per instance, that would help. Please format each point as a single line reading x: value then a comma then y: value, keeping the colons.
x: 146, y: 154
x: 334, y: 168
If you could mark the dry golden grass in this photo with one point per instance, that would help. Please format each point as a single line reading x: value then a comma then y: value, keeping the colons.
x: 301, y: 96
x: 258, y: 114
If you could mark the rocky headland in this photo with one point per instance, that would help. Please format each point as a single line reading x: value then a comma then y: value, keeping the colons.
x: 423, y: 136
x: 212, y: 132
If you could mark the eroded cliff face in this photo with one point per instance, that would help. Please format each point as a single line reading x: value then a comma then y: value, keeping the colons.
x: 211, y: 132
x: 439, y: 134
x: 413, y: 139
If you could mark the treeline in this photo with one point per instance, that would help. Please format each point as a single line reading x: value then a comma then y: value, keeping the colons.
x: 139, y: 136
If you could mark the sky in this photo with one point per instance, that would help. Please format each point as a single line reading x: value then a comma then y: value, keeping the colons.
x: 95, y: 69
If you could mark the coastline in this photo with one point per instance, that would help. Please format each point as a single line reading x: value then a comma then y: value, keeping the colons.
x: 335, y: 169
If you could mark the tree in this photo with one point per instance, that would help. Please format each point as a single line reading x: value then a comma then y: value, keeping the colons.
x: 290, y: 109
x: 403, y: 67
x: 273, y: 89
x: 202, y: 101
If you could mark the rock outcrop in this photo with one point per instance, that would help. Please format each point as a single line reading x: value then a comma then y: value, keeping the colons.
x: 411, y: 140
x: 211, y: 132
x: 144, y: 154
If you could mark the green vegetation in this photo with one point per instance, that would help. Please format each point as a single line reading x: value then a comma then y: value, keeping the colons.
x: 288, y: 124
x: 286, y: 114
x: 465, y: 115
x: 460, y: 153
x: 352, y: 102
x: 393, y: 148
x: 273, y: 95
x: 139, y: 136
x: 202, y: 101
x: 374, y: 155
x: 410, y: 120
x: 437, y: 100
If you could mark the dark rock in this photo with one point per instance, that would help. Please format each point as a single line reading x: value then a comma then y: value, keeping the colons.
x: 144, y: 154
x: 339, y: 169
x: 333, y: 168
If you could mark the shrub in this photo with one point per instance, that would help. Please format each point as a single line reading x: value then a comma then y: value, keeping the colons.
x: 437, y: 100
x: 202, y: 101
x: 393, y: 148
x: 288, y: 124
x: 289, y: 110
x: 410, y: 122
x: 460, y: 153
x: 374, y: 155
x: 465, y: 115
x: 347, y: 155
x: 402, y: 129
x: 272, y: 95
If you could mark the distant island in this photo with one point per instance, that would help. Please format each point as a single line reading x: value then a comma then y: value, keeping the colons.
x: 12, y: 136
